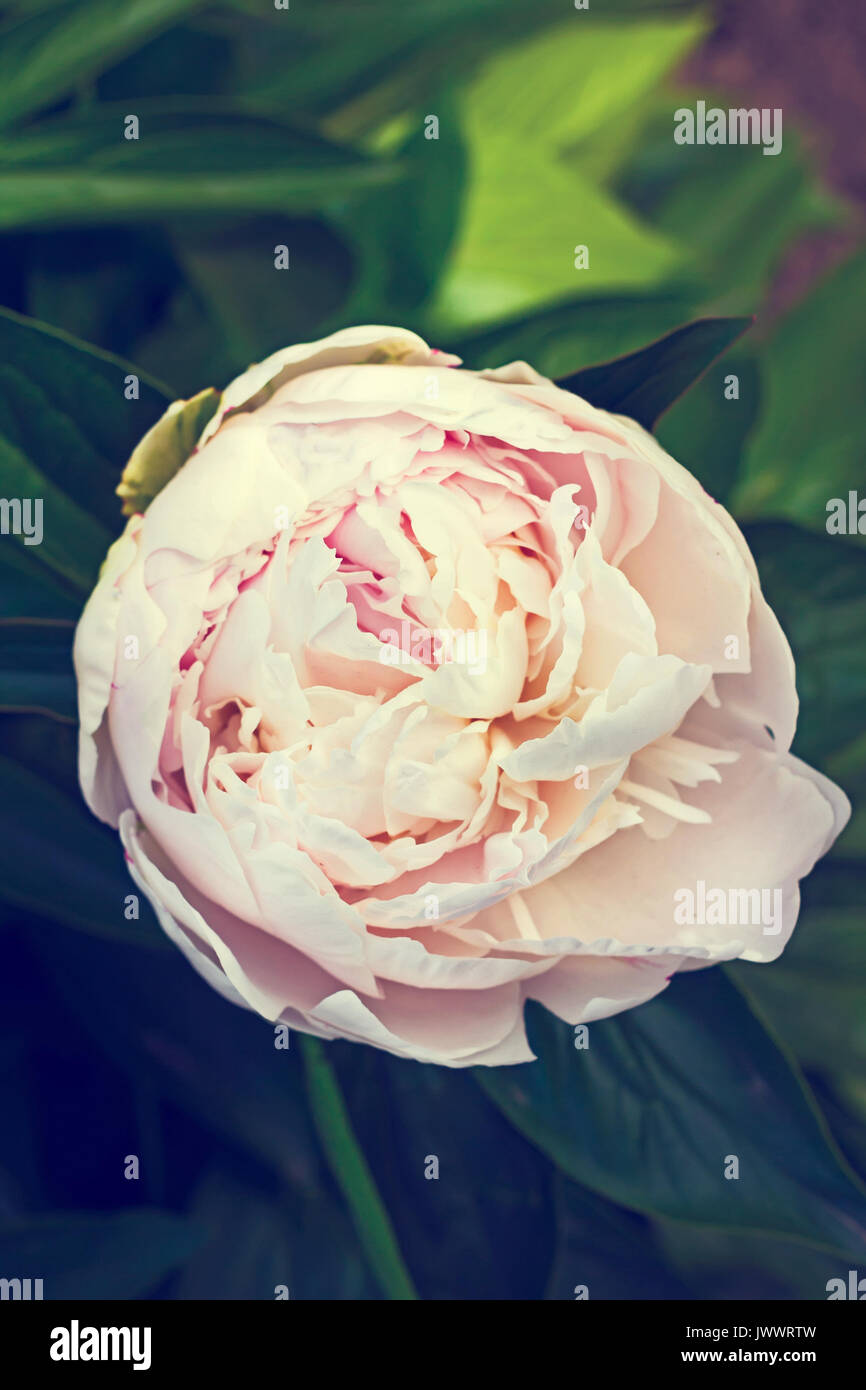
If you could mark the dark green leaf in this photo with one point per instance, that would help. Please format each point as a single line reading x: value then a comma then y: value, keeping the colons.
x: 257, y: 1242
x: 824, y: 963
x: 403, y: 236
x: 816, y: 585
x: 104, y: 284
x: 252, y: 310
x: 394, y: 54
x: 34, y: 196
x: 63, y: 407
x: 178, y: 136
x: 482, y: 1228
x: 246, y: 1253
x: 36, y: 668
x: 187, y: 159
x: 742, y: 211
x: 50, y: 528
x: 56, y: 860
x: 650, y: 1112
x: 351, y: 1172
x: 66, y: 430
x: 157, y: 1019
x: 645, y: 383
x: 604, y: 1251
x: 187, y: 60
x: 594, y: 329
x: 706, y: 431
x: 843, y: 1101
x: 808, y: 448
x: 377, y: 59
x: 28, y: 590
x: 122, y: 1254
x: 45, y: 55
x: 717, y: 1265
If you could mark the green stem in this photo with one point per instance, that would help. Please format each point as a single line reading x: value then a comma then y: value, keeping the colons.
x: 352, y: 1172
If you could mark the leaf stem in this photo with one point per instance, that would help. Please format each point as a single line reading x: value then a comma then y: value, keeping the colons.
x: 352, y: 1172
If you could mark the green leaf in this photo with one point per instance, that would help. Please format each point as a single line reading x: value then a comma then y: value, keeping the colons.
x: 30, y: 197
x: 99, y: 283
x: 529, y: 207
x: 595, y: 329
x: 509, y: 261
x: 645, y: 383
x: 742, y: 210
x: 255, y: 1243
x: 352, y: 1173
x: 188, y: 58
x: 485, y: 1228
x: 649, y: 1113
x: 402, y: 237
x: 122, y: 1254
x: 66, y: 429
x: 816, y: 585
x: 844, y: 1104
x: 251, y: 309
x: 45, y: 55
x: 592, y: 72
x: 742, y: 215
x: 183, y: 136
x: 393, y: 55
x: 610, y: 1251
x: 717, y: 1265
x: 808, y: 446
x: 847, y: 766
x: 57, y: 861
x: 36, y: 668
x: 824, y: 965
x: 246, y: 1253
x: 46, y: 749
x: 188, y: 343
x: 159, y: 1022
x: 29, y: 591
x: 191, y: 157
x: 57, y: 532
x: 706, y: 431
x: 360, y: 65
x: 63, y: 404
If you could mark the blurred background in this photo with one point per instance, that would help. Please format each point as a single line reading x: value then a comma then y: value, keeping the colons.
x: 307, y: 128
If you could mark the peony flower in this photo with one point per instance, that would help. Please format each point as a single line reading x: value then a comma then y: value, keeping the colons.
x: 416, y: 693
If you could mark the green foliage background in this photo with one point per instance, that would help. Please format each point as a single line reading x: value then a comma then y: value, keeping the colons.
x: 304, y: 127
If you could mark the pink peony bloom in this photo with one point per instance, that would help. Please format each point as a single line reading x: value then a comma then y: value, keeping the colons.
x: 416, y: 693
